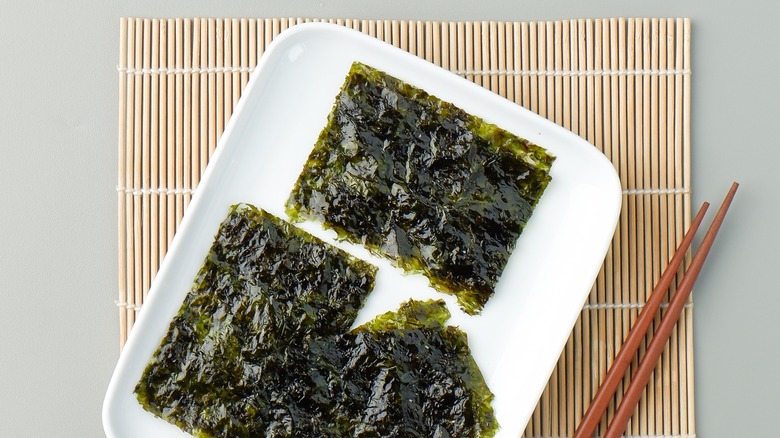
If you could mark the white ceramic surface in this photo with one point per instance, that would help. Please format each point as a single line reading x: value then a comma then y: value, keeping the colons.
x: 520, y: 334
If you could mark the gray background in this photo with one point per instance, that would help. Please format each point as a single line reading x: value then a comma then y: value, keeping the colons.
x: 58, y: 129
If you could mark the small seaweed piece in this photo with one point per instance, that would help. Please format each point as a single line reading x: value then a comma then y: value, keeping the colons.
x: 438, y: 380
x: 422, y: 182
x: 405, y: 374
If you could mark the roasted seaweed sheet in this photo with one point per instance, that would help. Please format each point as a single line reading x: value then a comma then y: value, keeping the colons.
x: 422, y: 182
x: 261, y: 347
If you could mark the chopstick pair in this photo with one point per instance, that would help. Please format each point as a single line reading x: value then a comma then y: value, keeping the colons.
x: 592, y: 417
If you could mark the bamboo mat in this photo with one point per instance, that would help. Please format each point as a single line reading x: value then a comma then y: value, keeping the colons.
x: 622, y: 84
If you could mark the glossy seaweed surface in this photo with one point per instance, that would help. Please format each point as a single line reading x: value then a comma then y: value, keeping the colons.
x: 261, y: 347
x: 423, y: 380
x: 421, y: 182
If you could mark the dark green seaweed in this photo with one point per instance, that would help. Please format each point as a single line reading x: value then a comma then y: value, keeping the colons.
x: 230, y: 357
x: 261, y: 347
x: 420, y: 181
x: 436, y: 378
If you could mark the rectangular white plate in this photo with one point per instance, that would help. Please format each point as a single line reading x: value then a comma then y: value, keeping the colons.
x: 519, y: 336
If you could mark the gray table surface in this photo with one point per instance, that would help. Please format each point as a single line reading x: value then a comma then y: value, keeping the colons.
x: 58, y: 130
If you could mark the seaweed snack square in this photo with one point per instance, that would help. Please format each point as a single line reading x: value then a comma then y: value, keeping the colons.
x: 421, y: 182
x: 239, y: 340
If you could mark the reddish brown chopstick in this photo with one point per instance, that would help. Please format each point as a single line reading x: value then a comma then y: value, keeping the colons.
x: 672, y: 314
x: 626, y: 354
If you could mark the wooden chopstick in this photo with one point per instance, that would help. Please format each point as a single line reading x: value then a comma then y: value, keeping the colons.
x: 592, y: 417
x: 615, y: 375
x: 672, y: 314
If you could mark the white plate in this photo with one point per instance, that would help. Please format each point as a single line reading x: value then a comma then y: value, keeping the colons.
x: 520, y: 334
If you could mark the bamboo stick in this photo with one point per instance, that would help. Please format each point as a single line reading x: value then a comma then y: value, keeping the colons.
x: 642, y: 201
x: 391, y: 31
x: 561, y: 47
x: 227, y: 75
x: 195, y: 120
x: 584, y: 131
x: 631, y: 278
x: 490, y: 54
x: 146, y: 167
x: 514, y: 46
x: 265, y: 33
x: 541, y: 65
x: 122, y: 258
x: 612, y: 267
x: 674, y: 40
x: 245, y: 51
x: 212, y: 85
x: 180, y: 116
x: 276, y: 27
x: 549, y: 68
x: 643, y: 158
x: 577, y: 333
x: 129, y: 300
x: 221, y: 78
x: 574, y: 78
x: 252, y: 44
x: 670, y: 374
x: 186, y: 177
x: 461, y: 38
x: 656, y: 158
x: 447, y: 44
x: 479, y: 49
x: 469, y: 44
x: 533, y: 52
x: 137, y: 175
x: 676, y: 340
x: 203, y: 101
x: 566, y: 386
x: 455, y: 45
x: 525, y: 30
x: 236, y: 50
x: 380, y: 30
x: 419, y: 26
x: 687, y: 398
x: 540, y: 94
x: 171, y: 131
x: 555, y: 97
x: 628, y: 213
x: 582, y: 79
x: 433, y: 42
x: 497, y: 59
x: 416, y: 39
x: 633, y: 217
x: 679, y: 423
x: 404, y: 35
x: 663, y: 182
x: 561, y: 402
x: 554, y: 113
x: 163, y: 138
x: 594, y: 53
